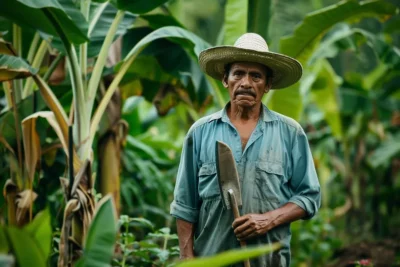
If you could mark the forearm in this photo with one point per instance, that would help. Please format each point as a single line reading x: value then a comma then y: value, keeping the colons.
x: 252, y: 225
x: 288, y: 213
x: 185, y: 235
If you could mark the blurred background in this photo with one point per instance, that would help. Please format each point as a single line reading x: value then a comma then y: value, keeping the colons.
x: 348, y: 102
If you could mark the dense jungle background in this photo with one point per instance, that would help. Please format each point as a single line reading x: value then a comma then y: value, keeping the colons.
x: 97, y: 96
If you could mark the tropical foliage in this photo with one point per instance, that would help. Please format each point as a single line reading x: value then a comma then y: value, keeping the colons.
x: 97, y: 97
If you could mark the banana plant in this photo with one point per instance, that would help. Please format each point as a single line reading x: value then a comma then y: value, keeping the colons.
x: 19, y: 187
x: 306, y: 39
x: 76, y: 131
x: 54, y: 18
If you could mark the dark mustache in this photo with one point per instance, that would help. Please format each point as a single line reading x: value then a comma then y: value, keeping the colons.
x: 246, y: 92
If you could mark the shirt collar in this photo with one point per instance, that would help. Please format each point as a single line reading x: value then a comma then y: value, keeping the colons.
x: 267, y: 115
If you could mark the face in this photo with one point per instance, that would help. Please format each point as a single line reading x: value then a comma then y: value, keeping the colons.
x: 247, y: 83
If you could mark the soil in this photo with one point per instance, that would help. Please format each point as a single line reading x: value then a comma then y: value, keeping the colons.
x: 380, y: 253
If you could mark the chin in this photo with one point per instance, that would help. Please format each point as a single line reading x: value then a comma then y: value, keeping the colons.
x: 246, y: 104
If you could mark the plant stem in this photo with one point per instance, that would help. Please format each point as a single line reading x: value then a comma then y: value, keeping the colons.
x: 33, y: 47
x: 17, y: 43
x: 101, y: 60
x: 52, y: 67
x: 37, y: 61
x: 70, y: 160
x: 81, y: 120
x: 96, y: 17
x: 108, y: 95
x: 85, y: 7
x: 126, y: 243
x: 17, y: 128
x: 7, y: 91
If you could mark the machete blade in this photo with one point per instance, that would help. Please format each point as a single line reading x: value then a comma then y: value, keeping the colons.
x: 228, y: 177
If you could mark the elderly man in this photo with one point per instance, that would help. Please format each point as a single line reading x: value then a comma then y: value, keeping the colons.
x: 278, y: 180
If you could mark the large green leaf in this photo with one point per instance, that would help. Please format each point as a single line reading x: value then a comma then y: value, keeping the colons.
x: 316, y: 23
x: 385, y: 152
x: 100, y: 30
x: 29, y: 13
x: 386, y: 52
x: 188, y: 40
x: 235, y: 20
x: 139, y: 6
x: 176, y: 61
x: 147, y: 67
x: 12, y: 67
x: 99, y: 245
x: 230, y: 257
x: 305, y: 39
x: 287, y: 101
x: 40, y: 230
x: 145, y: 151
x: 100, y: 19
x: 26, y: 248
x: 259, y: 16
x: 159, y: 20
x: 324, y: 94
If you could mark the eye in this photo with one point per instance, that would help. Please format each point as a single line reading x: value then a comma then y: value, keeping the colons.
x: 256, y: 76
x: 237, y: 73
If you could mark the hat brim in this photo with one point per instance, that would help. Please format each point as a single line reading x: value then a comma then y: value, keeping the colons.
x: 286, y: 70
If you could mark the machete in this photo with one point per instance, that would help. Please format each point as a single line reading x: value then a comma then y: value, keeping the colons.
x: 229, y: 184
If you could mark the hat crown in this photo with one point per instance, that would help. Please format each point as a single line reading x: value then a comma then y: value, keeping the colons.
x: 252, y: 41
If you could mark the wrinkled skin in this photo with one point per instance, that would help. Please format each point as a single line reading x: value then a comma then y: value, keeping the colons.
x: 247, y: 82
x: 252, y: 225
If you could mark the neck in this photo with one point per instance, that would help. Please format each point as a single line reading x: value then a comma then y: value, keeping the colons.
x: 243, y: 114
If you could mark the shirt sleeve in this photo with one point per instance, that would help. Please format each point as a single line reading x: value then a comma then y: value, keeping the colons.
x: 186, y: 201
x: 304, y: 182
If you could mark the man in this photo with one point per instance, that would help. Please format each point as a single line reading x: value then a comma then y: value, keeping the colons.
x: 278, y: 180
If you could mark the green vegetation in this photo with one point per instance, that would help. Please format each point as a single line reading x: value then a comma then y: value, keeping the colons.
x: 96, y: 98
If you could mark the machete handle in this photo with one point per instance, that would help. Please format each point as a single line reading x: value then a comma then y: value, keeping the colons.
x: 236, y: 214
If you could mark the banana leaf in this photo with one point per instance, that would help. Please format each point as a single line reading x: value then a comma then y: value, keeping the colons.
x: 12, y: 67
x: 31, y: 14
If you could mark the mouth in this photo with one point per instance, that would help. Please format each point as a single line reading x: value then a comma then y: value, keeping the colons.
x: 245, y: 92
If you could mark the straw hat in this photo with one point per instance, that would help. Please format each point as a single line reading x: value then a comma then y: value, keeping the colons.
x: 251, y: 47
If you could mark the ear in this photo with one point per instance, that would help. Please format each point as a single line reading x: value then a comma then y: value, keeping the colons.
x: 225, y: 81
x: 268, y: 86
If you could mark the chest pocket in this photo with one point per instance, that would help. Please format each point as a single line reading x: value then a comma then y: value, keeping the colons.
x: 269, y: 177
x: 208, y: 181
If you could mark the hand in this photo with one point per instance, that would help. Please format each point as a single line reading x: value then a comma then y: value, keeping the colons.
x: 252, y: 225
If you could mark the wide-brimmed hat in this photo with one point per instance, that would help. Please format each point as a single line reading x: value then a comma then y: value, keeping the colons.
x: 251, y: 47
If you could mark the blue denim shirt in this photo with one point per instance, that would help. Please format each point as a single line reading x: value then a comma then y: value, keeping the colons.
x: 276, y: 167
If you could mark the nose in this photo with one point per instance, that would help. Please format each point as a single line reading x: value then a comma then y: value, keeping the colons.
x: 246, y: 81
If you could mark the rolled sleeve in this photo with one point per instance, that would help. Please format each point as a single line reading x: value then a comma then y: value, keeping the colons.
x: 186, y: 197
x: 183, y: 212
x: 306, y: 192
